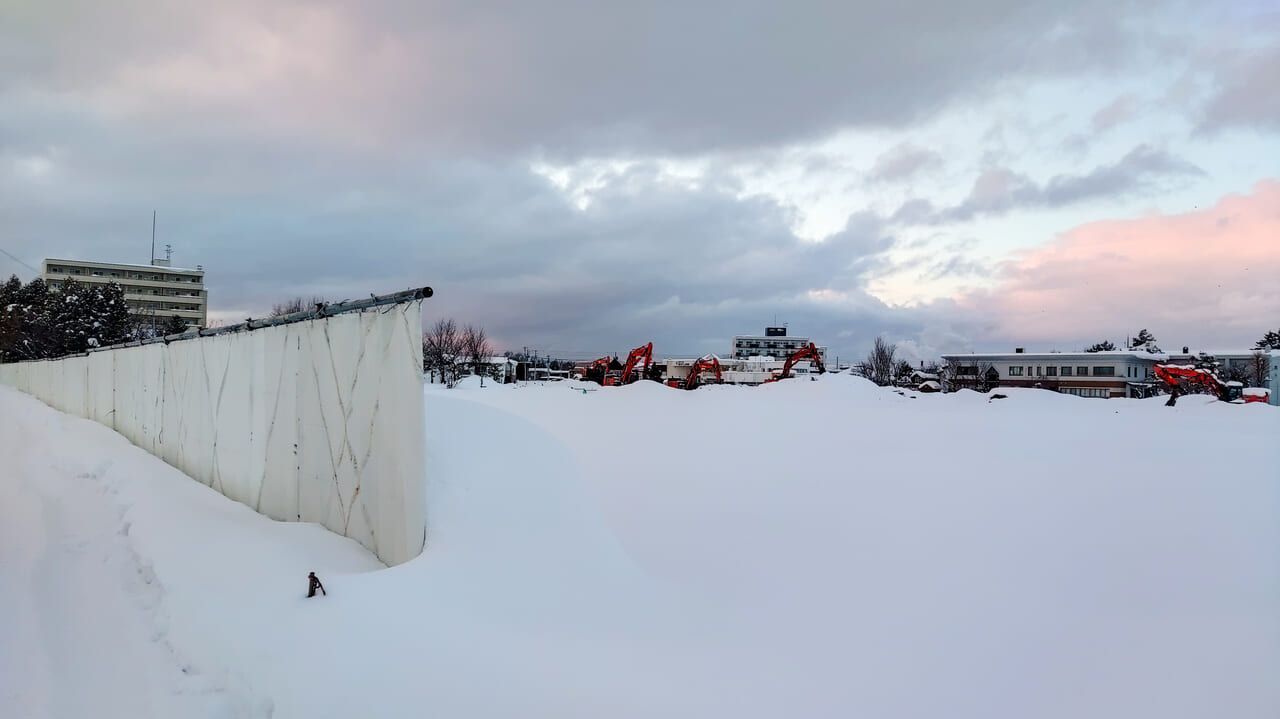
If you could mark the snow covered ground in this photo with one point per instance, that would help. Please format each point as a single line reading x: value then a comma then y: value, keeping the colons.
x: 821, y: 548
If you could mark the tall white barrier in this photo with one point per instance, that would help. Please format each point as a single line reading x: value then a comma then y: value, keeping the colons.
x: 316, y: 421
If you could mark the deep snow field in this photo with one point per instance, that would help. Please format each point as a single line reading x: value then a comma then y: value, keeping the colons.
x: 803, y: 549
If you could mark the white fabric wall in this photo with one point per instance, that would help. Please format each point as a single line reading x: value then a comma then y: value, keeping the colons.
x: 317, y: 421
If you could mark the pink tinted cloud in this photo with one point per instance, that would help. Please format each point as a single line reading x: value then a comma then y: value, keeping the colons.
x: 1206, y: 277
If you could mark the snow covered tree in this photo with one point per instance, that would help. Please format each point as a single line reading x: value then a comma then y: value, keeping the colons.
x: 1103, y: 346
x: 80, y: 316
x: 902, y: 371
x: 15, y: 316
x: 175, y: 325
x: 1269, y: 341
x: 1144, y: 341
x: 37, y: 322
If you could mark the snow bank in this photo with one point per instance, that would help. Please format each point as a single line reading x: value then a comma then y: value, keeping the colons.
x: 807, y: 548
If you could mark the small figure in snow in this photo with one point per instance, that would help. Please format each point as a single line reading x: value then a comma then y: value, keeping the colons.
x: 313, y: 583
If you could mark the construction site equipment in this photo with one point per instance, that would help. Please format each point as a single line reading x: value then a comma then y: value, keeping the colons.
x: 1178, y: 377
x: 707, y: 364
x: 597, y: 371
x: 631, y: 370
x: 804, y: 353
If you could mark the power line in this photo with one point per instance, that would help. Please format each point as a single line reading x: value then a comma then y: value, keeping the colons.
x: 15, y: 259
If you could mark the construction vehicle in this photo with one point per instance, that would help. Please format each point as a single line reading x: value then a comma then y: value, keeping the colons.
x: 804, y: 353
x: 629, y: 374
x: 705, y: 364
x: 1179, y: 377
x: 597, y: 371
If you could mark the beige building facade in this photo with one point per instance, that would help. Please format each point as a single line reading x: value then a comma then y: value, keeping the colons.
x: 156, y: 291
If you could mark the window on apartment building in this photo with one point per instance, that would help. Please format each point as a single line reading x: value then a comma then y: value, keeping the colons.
x: 1050, y: 371
x: 1104, y: 371
x: 1039, y: 373
x: 1015, y: 371
x: 1066, y: 371
x: 1082, y: 371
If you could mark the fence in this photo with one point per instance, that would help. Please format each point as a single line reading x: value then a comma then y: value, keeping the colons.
x: 316, y: 417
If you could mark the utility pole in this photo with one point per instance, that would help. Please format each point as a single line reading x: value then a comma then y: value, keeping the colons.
x: 151, y: 261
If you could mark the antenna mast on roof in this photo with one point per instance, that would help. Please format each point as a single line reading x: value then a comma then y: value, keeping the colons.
x: 151, y: 261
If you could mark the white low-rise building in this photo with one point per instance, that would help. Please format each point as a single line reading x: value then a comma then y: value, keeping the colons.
x: 1085, y: 374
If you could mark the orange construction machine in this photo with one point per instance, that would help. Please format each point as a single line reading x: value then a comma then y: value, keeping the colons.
x: 631, y: 371
x: 804, y: 353
x: 706, y: 364
x: 1178, y: 377
x: 597, y: 371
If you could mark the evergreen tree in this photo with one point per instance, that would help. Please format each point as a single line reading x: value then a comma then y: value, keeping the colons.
x: 1103, y: 346
x: 1144, y: 341
x: 38, y: 323
x: 1269, y: 341
x: 175, y: 325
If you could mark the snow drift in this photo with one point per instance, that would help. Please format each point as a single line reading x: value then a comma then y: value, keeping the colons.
x: 822, y: 548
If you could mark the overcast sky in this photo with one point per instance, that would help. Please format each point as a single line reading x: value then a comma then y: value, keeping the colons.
x: 584, y: 177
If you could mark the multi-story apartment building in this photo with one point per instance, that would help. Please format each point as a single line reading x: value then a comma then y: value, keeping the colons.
x: 1085, y: 374
x: 774, y: 343
x: 156, y: 291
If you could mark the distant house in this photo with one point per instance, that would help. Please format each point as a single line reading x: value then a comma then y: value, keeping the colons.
x: 501, y: 369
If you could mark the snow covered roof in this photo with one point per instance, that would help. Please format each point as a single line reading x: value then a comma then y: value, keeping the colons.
x: 1139, y: 354
x: 122, y: 264
x: 1235, y: 353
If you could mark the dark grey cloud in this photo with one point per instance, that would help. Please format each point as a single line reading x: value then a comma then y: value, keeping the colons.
x: 569, y: 76
x: 903, y: 161
x: 646, y: 260
x: 999, y: 190
x: 339, y: 148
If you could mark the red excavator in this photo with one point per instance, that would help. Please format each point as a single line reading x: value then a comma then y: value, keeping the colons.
x: 804, y: 353
x: 643, y: 353
x: 706, y: 364
x: 1177, y: 377
x: 597, y: 371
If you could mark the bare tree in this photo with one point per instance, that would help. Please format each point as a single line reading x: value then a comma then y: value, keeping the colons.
x: 1233, y: 371
x: 1259, y: 367
x: 948, y: 375
x: 476, y: 349
x: 443, y: 351
x: 297, y: 304
x: 979, y: 376
x: 879, y: 362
